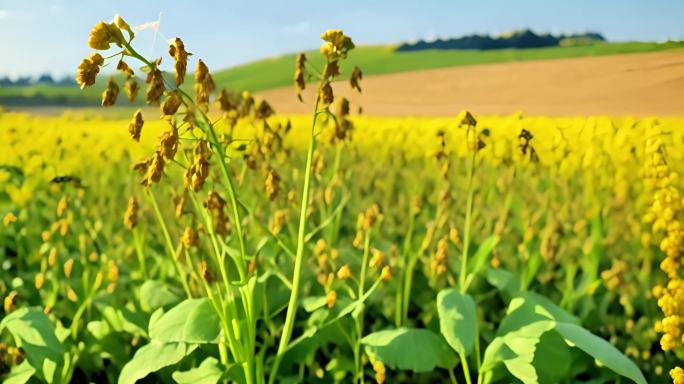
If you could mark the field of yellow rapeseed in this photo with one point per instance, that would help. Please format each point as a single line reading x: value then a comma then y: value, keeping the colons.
x: 227, y: 243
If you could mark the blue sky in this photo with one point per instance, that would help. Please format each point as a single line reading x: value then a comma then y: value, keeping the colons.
x: 41, y: 36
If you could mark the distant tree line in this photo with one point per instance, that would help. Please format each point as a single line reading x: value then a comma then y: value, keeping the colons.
x: 517, y: 39
x: 42, y: 79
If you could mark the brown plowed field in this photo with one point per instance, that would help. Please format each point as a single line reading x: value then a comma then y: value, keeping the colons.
x: 630, y: 84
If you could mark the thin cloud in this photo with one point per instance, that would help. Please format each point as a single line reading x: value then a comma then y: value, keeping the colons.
x: 5, y: 14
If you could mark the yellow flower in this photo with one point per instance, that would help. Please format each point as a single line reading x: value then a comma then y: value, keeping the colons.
x: 376, y: 260
x: 104, y: 34
x: 331, y: 299
x: 9, y: 302
x: 9, y: 219
x: 121, y: 24
x: 336, y: 44
x: 68, y: 267
x: 677, y: 375
x: 386, y: 273
x: 344, y: 272
x: 39, y: 280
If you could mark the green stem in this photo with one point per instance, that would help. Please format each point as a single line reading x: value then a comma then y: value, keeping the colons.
x: 169, y: 243
x: 359, y: 318
x: 139, y: 252
x: 466, y: 230
x: 466, y: 370
x: 402, y: 296
x: 452, y: 377
x: 299, y: 255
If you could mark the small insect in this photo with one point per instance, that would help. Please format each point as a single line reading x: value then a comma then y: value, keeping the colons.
x: 73, y: 180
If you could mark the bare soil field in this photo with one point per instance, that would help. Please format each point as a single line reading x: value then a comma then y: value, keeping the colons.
x: 642, y: 84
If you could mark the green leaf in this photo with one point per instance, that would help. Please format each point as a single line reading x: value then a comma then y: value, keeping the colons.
x: 156, y: 294
x: 601, y: 350
x: 123, y: 320
x: 504, y: 280
x: 552, y: 358
x: 191, y: 321
x: 479, y: 259
x: 35, y: 334
x: 417, y: 350
x: 153, y: 357
x: 20, y: 374
x: 516, y: 350
x: 457, y: 320
x: 312, y: 303
x: 209, y: 372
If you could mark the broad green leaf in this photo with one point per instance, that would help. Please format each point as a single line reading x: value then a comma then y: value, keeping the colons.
x: 20, y: 374
x: 552, y: 358
x: 35, y: 334
x: 601, y: 350
x: 519, y: 334
x: 153, y: 357
x: 209, y: 372
x: 457, y: 320
x: 191, y: 321
x: 556, y: 312
x: 530, y: 307
x: 417, y: 350
x: 156, y: 294
x: 516, y: 350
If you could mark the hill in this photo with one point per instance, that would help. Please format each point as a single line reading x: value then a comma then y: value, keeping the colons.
x: 374, y: 60
x: 520, y: 39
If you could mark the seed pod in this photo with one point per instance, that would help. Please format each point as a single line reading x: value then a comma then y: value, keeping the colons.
x: 180, y: 56
x: 110, y: 94
x: 299, y: 76
x: 171, y: 104
x: 189, y: 238
x: 355, y: 78
x: 271, y: 184
x: 136, y: 124
x: 204, y: 84
x: 88, y: 70
x: 131, y: 87
x: 123, y: 67
x: 131, y: 214
x: 155, y: 86
x: 168, y: 143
